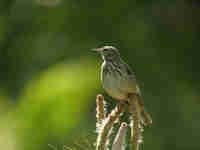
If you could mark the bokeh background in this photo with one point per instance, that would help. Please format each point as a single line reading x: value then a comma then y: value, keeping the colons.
x: 49, y: 78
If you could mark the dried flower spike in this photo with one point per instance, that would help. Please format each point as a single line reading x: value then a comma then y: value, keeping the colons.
x: 136, y: 134
x: 119, y: 141
x: 100, y: 110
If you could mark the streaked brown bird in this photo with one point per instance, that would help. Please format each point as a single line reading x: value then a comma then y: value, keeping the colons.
x: 119, y: 80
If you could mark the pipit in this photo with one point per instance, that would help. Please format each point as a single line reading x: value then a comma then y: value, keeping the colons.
x: 119, y: 81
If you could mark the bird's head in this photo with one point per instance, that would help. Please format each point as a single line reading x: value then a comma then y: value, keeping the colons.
x: 108, y: 53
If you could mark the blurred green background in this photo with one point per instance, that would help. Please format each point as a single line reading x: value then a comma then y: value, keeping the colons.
x: 49, y: 78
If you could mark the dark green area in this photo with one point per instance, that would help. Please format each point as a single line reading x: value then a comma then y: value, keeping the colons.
x: 49, y: 78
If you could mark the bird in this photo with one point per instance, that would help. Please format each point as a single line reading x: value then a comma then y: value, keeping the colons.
x: 119, y: 80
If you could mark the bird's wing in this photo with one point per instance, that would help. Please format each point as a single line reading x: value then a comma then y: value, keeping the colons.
x: 129, y: 70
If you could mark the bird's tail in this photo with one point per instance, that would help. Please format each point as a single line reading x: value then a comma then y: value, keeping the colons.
x: 145, y: 116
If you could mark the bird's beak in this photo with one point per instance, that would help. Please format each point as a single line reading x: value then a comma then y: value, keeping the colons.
x: 97, y: 49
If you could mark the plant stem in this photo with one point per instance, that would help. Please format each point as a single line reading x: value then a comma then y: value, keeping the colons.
x: 135, y: 123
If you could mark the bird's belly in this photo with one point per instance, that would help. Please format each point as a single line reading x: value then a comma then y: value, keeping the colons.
x: 119, y: 88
